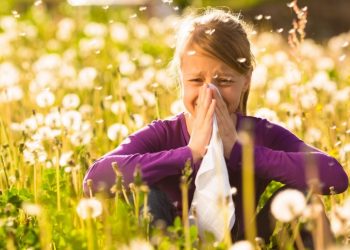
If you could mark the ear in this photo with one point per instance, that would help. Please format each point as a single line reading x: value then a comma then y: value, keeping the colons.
x: 248, y: 78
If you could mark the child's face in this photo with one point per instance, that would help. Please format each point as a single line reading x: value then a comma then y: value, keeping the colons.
x: 198, y: 68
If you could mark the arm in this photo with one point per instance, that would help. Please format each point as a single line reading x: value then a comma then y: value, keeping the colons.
x: 143, y: 149
x: 284, y: 160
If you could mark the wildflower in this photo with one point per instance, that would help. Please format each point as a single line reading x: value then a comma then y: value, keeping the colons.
x: 13, y: 93
x: 65, y: 158
x: 242, y: 245
x: 313, y: 134
x: 70, y: 101
x: 288, y: 204
x: 309, y: 99
x: 65, y: 29
x: 93, y: 29
x: 138, y: 244
x: 79, y: 138
x: 31, y: 209
x: 89, y: 208
x: 88, y: 45
x: 117, y: 129
x: 138, y: 120
x: 259, y: 77
x: 9, y: 75
x: 118, y: 107
x: 177, y: 107
x: 267, y: 114
x: 45, y: 98
x: 127, y: 68
x: 119, y: 32
x: 71, y: 120
x: 86, y: 78
x: 272, y: 97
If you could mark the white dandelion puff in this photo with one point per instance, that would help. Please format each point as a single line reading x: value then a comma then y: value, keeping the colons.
x: 65, y: 158
x: 242, y: 245
x: 70, y: 101
x: 118, y: 107
x: 116, y: 130
x: 31, y: 209
x: 45, y: 98
x: 138, y: 244
x: 288, y: 204
x: 89, y: 208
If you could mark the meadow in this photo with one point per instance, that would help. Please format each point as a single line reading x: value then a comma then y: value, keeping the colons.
x: 76, y: 82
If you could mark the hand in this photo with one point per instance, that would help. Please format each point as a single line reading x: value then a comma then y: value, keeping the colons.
x: 202, y: 124
x: 226, y: 124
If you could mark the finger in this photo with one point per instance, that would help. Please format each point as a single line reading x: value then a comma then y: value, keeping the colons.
x: 206, y: 103
x: 201, y: 95
x: 220, y: 101
x: 211, y: 110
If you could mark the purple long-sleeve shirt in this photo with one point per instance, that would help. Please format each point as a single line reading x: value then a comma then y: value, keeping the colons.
x: 161, y: 151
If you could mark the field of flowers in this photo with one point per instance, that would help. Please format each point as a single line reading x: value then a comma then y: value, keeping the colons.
x: 75, y: 82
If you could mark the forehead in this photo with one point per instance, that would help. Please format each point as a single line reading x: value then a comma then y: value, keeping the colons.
x: 194, y: 60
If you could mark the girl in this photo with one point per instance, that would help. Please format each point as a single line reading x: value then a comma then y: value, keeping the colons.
x: 213, y: 48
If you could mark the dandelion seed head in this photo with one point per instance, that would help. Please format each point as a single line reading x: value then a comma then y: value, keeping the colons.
x: 288, y: 204
x: 138, y: 244
x: 138, y: 120
x: 242, y: 245
x: 45, y: 98
x: 116, y: 130
x: 70, y: 101
x: 118, y: 107
x: 31, y: 209
x: 89, y: 208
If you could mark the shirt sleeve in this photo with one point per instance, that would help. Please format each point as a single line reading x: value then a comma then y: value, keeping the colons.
x: 287, y: 159
x: 144, y: 149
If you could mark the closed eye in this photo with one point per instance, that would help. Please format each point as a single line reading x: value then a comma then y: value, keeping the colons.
x: 225, y: 81
x: 195, y: 80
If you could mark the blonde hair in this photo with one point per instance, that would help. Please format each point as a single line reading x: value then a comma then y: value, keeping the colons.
x: 228, y: 42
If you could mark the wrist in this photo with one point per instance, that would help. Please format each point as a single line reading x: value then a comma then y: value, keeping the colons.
x: 196, y: 155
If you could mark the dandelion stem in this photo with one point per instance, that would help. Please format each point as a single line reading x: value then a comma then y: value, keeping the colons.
x: 248, y: 184
x: 35, y: 184
x: 185, y: 221
x: 58, y: 195
x: 296, y: 235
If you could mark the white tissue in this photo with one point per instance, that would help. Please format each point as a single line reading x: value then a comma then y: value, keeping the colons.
x: 212, y: 186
